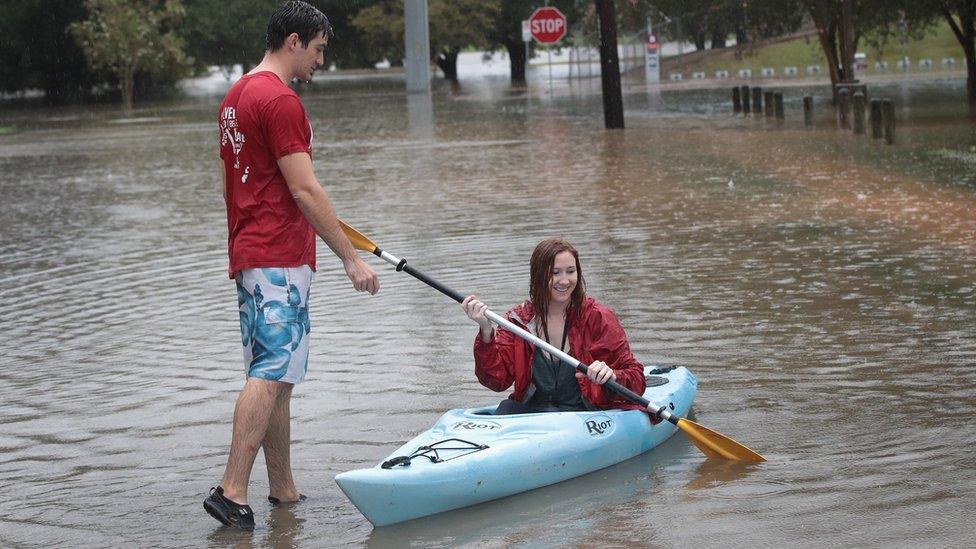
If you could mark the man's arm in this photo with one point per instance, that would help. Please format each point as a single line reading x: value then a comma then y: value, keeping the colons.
x: 223, y: 177
x: 317, y: 208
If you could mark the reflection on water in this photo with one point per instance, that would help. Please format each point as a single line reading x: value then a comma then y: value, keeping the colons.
x: 821, y: 286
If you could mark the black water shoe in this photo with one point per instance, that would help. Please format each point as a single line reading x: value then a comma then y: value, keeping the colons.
x: 228, y: 512
x: 275, y: 501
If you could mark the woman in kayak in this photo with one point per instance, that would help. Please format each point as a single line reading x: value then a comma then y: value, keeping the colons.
x: 559, y: 311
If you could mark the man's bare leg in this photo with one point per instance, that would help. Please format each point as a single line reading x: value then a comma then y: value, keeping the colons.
x: 252, y: 414
x: 277, y: 450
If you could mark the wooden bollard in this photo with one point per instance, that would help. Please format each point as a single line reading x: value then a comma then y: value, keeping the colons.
x: 757, y: 97
x: 858, y: 112
x: 778, y: 99
x: 808, y: 111
x: 888, y: 113
x: 736, y: 100
x: 768, y: 100
x: 844, y: 107
x: 745, y: 99
x: 876, y: 118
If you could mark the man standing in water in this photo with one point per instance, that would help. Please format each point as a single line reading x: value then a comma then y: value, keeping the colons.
x: 275, y: 208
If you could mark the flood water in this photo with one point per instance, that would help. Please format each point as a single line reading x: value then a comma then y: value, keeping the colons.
x: 822, y: 286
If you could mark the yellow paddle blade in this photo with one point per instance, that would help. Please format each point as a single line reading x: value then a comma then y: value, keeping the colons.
x: 716, y: 445
x: 358, y: 239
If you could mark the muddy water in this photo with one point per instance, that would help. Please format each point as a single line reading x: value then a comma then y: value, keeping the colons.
x: 822, y: 287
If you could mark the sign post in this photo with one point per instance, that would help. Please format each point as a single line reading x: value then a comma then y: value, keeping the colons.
x: 652, y: 57
x: 547, y: 25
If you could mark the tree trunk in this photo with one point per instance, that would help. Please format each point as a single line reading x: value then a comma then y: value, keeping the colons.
x: 718, y: 37
x: 826, y: 24
x: 447, y: 62
x: 828, y: 42
x: 516, y: 61
x: 700, y: 40
x: 740, y: 36
x: 966, y: 35
x: 127, y: 85
x: 971, y: 71
x: 845, y: 35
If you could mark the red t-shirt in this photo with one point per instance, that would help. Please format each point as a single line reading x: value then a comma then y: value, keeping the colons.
x: 260, y: 121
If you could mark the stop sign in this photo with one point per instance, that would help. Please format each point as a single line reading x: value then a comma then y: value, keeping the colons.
x: 547, y: 25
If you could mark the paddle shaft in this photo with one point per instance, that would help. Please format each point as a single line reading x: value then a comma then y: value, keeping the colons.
x: 401, y: 265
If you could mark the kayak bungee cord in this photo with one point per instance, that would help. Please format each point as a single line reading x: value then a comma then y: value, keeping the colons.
x: 431, y: 452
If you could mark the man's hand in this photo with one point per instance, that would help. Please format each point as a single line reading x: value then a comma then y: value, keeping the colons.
x: 363, y: 277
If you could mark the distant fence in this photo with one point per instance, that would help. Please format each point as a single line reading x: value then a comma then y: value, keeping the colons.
x: 582, y: 57
x: 902, y: 66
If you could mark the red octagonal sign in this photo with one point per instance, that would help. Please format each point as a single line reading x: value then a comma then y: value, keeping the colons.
x: 547, y: 25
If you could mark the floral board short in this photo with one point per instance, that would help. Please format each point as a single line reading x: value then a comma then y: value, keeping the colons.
x: 273, y: 304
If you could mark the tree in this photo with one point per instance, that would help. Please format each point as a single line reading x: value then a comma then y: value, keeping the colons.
x: 217, y: 32
x: 348, y: 48
x: 961, y: 16
x: 225, y: 34
x: 126, y: 36
x: 706, y: 20
x: 877, y: 17
x: 454, y: 25
x: 381, y: 29
x: 505, y: 31
x: 458, y: 24
x: 35, y: 52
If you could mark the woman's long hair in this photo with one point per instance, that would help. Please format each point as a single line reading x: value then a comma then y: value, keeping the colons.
x: 540, y: 277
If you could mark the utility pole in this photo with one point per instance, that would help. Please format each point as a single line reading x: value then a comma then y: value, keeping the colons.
x: 613, y: 103
x: 416, y: 38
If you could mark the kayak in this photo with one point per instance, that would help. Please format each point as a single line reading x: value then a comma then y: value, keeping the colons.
x: 471, y: 456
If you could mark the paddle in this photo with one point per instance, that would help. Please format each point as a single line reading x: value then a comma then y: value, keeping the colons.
x: 712, y: 444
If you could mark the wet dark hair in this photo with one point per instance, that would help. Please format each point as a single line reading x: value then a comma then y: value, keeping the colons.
x: 296, y: 17
x: 540, y: 276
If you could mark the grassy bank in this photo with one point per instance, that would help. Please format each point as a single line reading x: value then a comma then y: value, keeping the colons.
x: 804, y: 50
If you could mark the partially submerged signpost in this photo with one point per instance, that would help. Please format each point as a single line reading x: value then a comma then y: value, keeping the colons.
x: 548, y: 26
x: 652, y: 57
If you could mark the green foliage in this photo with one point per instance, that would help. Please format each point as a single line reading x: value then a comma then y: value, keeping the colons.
x: 348, y: 49
x: 585, y: 23
x: 123, y: 37
x: 454, y: 25
x: 224, y: 33
x: 35, y: 51
x: 381, y: 29
x: 217, y: 32
x: 699, y: 20
x: 460, y: 23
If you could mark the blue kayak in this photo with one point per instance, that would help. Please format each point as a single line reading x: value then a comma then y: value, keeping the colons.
x: 471, y: 456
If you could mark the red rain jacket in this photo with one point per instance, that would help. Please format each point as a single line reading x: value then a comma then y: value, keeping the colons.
x: 596, y: 335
